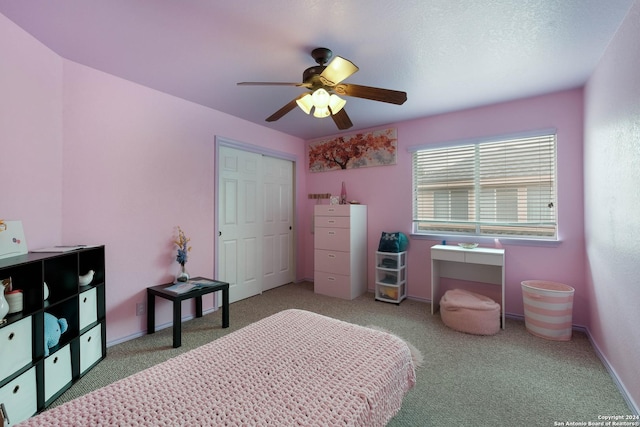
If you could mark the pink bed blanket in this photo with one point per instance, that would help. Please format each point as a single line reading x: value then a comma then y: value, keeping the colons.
x: 292, y: 368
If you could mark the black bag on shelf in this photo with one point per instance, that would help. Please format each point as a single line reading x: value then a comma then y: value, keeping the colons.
x: 393, y: 242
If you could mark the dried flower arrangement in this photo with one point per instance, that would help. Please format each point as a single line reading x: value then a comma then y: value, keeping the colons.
x: 183, y: 249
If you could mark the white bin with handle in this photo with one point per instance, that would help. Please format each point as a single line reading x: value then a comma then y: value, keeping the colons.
x: 548, y: 309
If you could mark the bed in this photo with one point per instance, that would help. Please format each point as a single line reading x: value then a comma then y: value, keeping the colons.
x: 292, y: 368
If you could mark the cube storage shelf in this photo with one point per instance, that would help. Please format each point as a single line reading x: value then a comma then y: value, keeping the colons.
x: 29, y: 380
x: 391, y: 276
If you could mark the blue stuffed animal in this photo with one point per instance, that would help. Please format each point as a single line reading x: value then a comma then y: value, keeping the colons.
x: 53, y: 329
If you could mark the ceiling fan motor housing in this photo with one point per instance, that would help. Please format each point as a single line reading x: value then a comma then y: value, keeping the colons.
x: 312, y: 76
x: 321, y: 55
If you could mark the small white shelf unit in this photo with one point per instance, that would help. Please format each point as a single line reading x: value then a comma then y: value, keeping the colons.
x: 391, y: 276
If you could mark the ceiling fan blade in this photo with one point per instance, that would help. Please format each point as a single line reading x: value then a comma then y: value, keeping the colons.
x: 342, y: 120
x: 373, y: 93
x: 337, y: 70
x: 284, y: 110
x: 271, y: 84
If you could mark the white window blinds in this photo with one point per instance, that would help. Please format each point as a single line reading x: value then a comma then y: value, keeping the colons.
x: 494, y: 188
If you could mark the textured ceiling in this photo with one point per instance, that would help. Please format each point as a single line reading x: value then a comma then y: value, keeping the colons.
x: 447, y: 55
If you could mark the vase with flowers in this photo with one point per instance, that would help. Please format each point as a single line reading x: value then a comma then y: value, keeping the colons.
x: 183, y: 250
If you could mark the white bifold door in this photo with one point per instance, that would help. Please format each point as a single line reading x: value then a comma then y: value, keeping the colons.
x: 255, y: 222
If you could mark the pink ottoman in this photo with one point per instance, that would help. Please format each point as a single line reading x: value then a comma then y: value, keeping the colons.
x: 469, y: 312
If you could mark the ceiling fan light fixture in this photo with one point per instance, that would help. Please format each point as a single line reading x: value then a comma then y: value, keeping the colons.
x: 305, y: 103
x: 320, y: 98
x: 321, y: 112
x: 336, y: 103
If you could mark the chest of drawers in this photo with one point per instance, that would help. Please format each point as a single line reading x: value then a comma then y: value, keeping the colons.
x: 340, y: 250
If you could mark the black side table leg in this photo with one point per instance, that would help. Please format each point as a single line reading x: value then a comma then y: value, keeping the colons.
x: 199, y: 306
x: 225, y: 307
x: 151, y: 313
x: 177, y: 323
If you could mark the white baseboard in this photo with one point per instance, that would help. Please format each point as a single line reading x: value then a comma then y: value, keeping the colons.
x: 635, y: 408
x: 158, y: 328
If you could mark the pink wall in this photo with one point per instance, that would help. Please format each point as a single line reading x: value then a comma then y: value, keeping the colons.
x: 90, y: 158
x: 30, y: 135
x: 387, y: 192
x: 95, y: 159
x: 612, y: 203
x: 138, y: 162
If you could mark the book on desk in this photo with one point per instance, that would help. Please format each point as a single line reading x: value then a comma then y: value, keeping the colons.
x: 183, y: 287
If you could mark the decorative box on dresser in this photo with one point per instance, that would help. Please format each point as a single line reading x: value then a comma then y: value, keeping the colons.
x: 29, y: 380
x: 340, y: 250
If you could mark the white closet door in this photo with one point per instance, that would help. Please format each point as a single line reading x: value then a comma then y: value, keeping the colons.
x: 240, y: 222
x: 277, y: 240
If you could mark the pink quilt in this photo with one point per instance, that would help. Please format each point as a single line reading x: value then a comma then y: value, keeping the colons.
x: 292, y: 368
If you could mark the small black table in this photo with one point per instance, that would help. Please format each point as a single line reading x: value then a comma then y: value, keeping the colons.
x: 159, y: 291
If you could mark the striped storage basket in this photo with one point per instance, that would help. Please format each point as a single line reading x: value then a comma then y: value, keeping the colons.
x: 548, y: 308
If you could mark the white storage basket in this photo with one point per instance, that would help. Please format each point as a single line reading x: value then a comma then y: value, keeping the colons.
x: 548, y: 309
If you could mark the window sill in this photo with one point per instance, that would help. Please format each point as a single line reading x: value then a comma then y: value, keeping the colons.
x: 485, y: 240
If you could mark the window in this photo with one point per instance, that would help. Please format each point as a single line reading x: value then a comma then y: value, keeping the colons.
x: 502, y: 187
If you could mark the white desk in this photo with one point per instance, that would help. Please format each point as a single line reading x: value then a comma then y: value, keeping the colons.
x: 477, y: 265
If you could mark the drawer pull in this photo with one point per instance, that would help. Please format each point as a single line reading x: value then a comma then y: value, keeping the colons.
x: 89, y: 339
x: 11, y: 335
x: 333, y: 279
x: 331, y: 209
x: 331, y: 221
x: 16, y: 389
x: 55, y: 360
x: 331, y: 255
x: 331, y: 233
x: 85, y: 299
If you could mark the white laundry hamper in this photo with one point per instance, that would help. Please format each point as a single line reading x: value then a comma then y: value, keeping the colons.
x: 548, y: 309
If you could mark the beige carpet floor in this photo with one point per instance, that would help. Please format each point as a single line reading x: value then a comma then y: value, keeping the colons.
x: 509, y: 379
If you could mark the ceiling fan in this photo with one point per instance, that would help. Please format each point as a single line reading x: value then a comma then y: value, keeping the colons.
x: 325, y: 84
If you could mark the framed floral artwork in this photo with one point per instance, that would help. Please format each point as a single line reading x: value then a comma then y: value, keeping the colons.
x: 360, y: 150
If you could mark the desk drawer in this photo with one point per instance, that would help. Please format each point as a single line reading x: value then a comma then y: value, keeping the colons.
x: 333, y: 221
x: 332, y: 261
x: 336, y: 239
x: 332, y: 210
x: 331, y: 284
x: 447, y: 255
x: 483, y: 258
